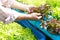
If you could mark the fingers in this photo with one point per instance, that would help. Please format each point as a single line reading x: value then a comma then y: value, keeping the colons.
x: 36, y: 16
x: 39, y: 17
x: 28, y: 11
x: 29, y: 8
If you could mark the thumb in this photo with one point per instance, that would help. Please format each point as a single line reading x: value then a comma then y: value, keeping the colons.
x: 28, y: 10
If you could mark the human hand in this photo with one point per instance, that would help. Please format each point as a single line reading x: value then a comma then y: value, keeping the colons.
x: 28, y: 9
x: 36, y: 16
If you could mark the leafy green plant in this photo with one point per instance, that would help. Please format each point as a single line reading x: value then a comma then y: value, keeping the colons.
x: 33, y: 2
x: 56, y: 12
x: 54, y: 3
x: 14, y: 31
x: 54, y: 26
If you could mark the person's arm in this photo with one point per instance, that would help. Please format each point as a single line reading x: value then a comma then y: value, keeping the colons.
x: 33, y: 16
x: 12, y: 15
x: 22, y: 6
x: 19, y: 5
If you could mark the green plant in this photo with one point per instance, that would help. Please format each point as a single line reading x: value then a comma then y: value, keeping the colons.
x: 54, y: 3
x: 14, y: 31
x: 33, y: 2
x: 56, y: 12
x: 54, y: 26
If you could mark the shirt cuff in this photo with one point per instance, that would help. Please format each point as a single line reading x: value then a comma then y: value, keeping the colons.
x: 12, y: 16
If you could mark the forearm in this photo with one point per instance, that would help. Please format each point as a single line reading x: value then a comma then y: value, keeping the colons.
x: 19, y: 5
x: 24, y: 16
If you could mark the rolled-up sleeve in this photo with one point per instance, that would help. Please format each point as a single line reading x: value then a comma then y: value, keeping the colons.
x: 10, y: 14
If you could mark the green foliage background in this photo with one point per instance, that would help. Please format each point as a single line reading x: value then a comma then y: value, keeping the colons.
x: 14, y: 31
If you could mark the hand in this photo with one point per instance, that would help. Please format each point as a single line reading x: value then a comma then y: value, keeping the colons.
x: 36, y: 16
x: 29, y: 7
